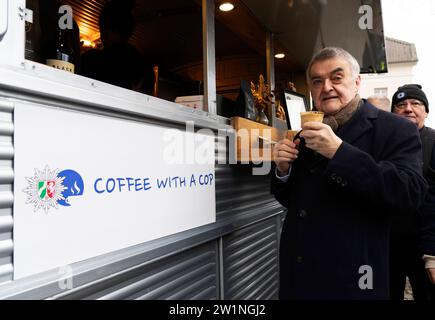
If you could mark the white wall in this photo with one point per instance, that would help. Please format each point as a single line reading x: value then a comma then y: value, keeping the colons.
x: 398, y: 75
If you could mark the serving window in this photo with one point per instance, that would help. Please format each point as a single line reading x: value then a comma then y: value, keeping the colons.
x: 151, y: 47
x: 131, y: 44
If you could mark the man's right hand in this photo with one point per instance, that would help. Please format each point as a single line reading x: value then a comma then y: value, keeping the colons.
x: 285, y: 153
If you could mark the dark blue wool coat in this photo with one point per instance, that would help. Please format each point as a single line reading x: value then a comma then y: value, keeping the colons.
x: 427, y: 236
x: 336, y: 233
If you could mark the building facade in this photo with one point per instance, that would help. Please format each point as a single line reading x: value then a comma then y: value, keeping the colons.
x: 402, y: 58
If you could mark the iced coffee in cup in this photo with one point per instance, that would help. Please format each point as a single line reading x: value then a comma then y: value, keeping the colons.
x: 315, y: 116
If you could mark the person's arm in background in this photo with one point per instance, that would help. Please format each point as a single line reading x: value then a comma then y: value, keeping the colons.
x: 427, y: 232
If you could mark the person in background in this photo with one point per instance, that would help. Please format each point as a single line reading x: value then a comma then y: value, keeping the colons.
x: 341, y: 183
x: 413, y: 237
x: 118, y: 63
x: 381, y: 102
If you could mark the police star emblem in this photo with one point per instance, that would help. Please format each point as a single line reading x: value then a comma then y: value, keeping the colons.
x: 44, y: 189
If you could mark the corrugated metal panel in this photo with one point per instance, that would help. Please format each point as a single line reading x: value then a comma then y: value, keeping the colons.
x: 6, y: 190
x: 250, y: 258
x: 191, y: 274
x: 237, y: 189
x: 221, y: 149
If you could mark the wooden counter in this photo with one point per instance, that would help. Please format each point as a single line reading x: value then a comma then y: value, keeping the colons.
x: 254, y: 141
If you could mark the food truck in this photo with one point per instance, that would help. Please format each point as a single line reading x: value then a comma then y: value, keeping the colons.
x: 149, y: 192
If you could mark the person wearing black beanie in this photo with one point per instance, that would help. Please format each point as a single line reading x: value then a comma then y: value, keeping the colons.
x: 412, y: 243
x: 410, y: 91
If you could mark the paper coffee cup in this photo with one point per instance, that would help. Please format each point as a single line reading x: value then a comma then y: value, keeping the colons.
x: 290, y: 134
x: 315, y: 116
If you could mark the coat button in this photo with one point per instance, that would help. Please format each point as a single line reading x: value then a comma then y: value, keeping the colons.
x: 299, y: 259
x: 302, y: 214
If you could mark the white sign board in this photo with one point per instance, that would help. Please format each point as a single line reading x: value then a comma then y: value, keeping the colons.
x: 86, y: 185
x: 295, y: 105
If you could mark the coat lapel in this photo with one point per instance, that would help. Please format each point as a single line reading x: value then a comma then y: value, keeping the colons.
x: 350, y: 132
x: 359, y: 123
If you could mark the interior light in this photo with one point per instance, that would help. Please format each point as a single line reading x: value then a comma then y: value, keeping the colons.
x: 280, y: 56
x: 88, y: 43
x: 226, y: 6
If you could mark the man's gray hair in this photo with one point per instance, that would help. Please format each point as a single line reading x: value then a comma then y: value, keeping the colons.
x: 335, y: 52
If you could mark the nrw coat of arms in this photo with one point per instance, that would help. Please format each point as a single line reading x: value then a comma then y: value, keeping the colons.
x: 45, y: 189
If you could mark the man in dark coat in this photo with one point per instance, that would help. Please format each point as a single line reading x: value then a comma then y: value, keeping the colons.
x: 413, y: 237
x: 341, y: 184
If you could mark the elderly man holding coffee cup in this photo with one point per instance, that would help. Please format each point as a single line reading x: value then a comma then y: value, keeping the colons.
x: 341, y: 181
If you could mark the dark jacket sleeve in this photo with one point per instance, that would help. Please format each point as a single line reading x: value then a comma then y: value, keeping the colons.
x: 427, y: 235
x: 280, y: 189
x: 394, y: 181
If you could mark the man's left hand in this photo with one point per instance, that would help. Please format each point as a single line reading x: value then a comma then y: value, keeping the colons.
x: 320, y: 138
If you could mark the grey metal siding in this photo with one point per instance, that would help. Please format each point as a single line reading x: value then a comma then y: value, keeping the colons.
x: 191, y: 274
x: 6, y: 190
x: 251, y: 262
x: 238, y: 191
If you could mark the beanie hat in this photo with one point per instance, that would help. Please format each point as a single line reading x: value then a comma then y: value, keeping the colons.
x: 410, y: 91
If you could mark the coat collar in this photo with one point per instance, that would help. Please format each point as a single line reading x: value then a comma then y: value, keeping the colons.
x: 360, y: 122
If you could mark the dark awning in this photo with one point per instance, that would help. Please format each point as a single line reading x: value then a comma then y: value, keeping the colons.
x: 305, y: 26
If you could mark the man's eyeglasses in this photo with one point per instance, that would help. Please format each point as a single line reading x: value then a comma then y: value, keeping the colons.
x: 335, y: 77
x: 414, y: 105
x: 320, y: 82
